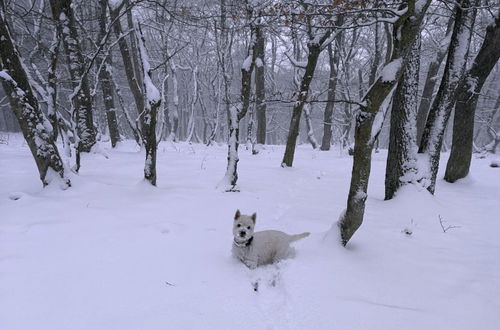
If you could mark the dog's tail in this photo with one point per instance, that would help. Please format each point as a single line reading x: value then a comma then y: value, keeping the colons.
x: 294, y: 238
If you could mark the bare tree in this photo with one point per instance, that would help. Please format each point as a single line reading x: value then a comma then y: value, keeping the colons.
x: 432, y: 138
x: 62, y: 12
x: 260, y: 88
x: 466, y: 101
x: 104, y: 65
x: 318, y: 39
x: 431, y: 79
x: 405, y: 31
x: 333, y: 60
x: 238, y: 112
x: 36, y: 128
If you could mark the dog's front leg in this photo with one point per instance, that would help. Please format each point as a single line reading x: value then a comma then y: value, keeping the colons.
x: 250, y: 263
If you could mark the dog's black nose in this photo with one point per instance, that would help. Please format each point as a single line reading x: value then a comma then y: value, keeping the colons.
x: 242, y: 234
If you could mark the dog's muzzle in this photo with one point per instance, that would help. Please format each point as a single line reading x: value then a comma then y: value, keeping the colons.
x: 242, y: 234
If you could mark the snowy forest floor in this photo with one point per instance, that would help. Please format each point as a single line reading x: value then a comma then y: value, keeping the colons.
x: 114, y: 253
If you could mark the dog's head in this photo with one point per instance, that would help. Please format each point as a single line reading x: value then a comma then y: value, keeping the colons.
x: 243, y: 226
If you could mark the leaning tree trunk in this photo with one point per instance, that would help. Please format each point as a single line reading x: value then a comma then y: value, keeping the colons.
x: 406, y: 29
x: 36, y: 128
x: 431, y: 80
x: 402, y: 154
x: 432, y: 138
x: 260, y: 92
x: 467, y: 96
x: 105, y: 79
x: 134, y: 82
x: 62, y: 12
x: 334, y: 60
x: 293, y: 132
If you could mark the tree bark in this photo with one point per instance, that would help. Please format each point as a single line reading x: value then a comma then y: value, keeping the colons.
x: 235, y: 114
x: 62, y: 12
x: 148, y: 117
x: 126, y: 54
x: 405, y: 32
x: 293, y: 132
x: 402, y: 154
x: 36, y: 128
x: 465, y: 107
x: 260, y: 91
x: 105, y: 79
x: 432, y: 138
x: 431, y: 81
x: 334, y: 60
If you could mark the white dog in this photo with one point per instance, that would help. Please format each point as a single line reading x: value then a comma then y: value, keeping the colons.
x: 262, y: 247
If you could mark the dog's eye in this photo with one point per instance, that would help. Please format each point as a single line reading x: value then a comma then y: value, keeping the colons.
x: 248, y: 227
x: 239, y: 225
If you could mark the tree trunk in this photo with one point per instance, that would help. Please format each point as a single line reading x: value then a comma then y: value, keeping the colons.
x: 431, y: 80
x: 293, y: 132
x: 402, y: 154
x: 405, y: 32
x: 467, y: 96
x: 228, y: 182
x: 334, y: 60
x: 62, y: 12
x: 377, y: 56
x: 105, y: 79
x: 173, y: 136
x: 36, y: 128
x: 260, y: 91
x: 152, y: 103
x: 432, y: 138
x: 126, y: 54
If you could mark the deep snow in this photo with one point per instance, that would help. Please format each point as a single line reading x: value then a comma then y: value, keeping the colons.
x: 114, y: 253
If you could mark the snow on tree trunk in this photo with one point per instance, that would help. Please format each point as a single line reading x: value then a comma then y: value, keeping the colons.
x: 432, y: 138
x: 250, y: 143
x: 228, y: 182
x: 62, y: 12
x: 430, y: 81
x: 175, y: 100
x: 310, y: 131
x: 402, y: 154
x: 36, y: 128
x: 405, y: 33
x: 148, y: 117
x: 105, y: 79
x: 235, y: 114
x: 465, y: 107
x: 51, y: 87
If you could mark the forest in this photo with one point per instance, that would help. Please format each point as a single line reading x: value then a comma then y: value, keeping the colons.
x: 369, y: 123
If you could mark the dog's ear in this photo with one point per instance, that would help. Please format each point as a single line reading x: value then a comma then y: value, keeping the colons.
x: 254, y: 217
x: 237, y: 215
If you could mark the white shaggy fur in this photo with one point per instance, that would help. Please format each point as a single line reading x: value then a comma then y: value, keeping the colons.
x: 260, y: 248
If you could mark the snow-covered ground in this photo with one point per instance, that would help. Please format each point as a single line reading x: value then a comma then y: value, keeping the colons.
x: 114, y: 253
